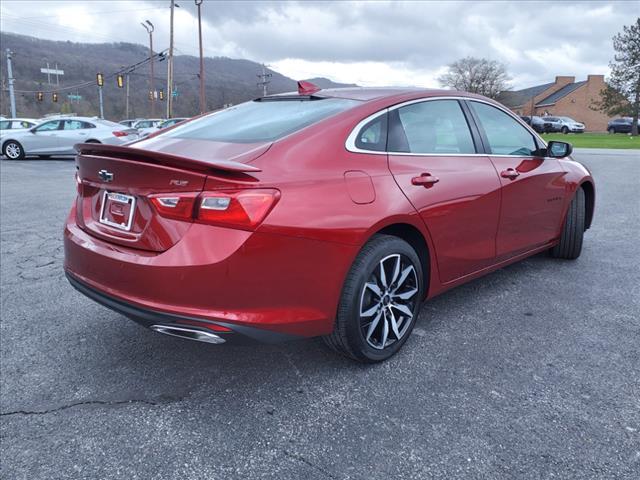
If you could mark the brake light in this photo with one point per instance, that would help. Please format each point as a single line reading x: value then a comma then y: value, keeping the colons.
x: 120, y: 133
x: 244, y: 209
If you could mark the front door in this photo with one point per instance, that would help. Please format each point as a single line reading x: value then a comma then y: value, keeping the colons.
x: 455, y: 189
x: 533, y: 187
x: 44, y: 139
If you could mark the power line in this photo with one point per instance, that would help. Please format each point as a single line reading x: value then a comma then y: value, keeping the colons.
x: 103, y: 12
x: 127, y: 69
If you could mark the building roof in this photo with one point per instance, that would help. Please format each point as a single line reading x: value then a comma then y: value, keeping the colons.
x: 563, y: 92
x: 520, y: 97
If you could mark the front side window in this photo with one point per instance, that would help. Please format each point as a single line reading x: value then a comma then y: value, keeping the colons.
x: 505, y: 135
x: 435, y: 126
x: 48, y: 126
x: 261, y: 121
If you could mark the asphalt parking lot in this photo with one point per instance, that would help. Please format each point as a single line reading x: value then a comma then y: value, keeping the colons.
x: 531, y: 372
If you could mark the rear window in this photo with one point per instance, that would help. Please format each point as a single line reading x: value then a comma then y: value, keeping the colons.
x: 261, y: 121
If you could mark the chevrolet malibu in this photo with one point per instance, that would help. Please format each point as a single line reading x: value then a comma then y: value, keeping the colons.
x: 57, y: 136
x: 330, y: 213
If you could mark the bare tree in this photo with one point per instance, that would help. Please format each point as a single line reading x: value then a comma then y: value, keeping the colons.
x: 622, y: 95
x: 477, y: 75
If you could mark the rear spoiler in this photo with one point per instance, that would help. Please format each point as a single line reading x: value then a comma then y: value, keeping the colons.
x: 160, y: 158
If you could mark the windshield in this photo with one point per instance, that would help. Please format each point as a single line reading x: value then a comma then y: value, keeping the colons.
x: 261, y: 121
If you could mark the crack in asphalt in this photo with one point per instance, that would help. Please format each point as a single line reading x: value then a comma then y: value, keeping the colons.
x: 300, y: 458
x: 87, y: 402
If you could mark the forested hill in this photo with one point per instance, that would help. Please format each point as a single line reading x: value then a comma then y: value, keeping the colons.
x: 228, y: 80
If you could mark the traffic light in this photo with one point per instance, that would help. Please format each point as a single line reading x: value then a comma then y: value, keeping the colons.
x: 100, y: 79
x: 40, y: 96
x: 150, y: 94
x: 161, y: 94
x: 120, y: 81
x: 54, y: 97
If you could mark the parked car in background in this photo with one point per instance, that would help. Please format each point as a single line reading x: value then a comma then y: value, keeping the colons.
x: 563, y: 124
x: 16, y: 124
x: 129, y: 123
x: 58, y: 136
x: 171, y: 122
x: 620, y: 125
x: 537, y: 123
x: 319, y: 213
x: 147, y: 126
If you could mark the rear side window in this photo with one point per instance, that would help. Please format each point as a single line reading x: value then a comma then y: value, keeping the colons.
x: 261, y: 121
x: 373, y: 136
x: 435, y: 126
x: 5, y: 125
x: 505, y: 135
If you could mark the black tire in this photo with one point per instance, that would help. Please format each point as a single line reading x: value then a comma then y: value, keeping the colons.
x: 570, y: 244
x: 612, y: 130
x: 13, y: 150
x: 564, y: 130
x: 348, y: 336
x: 92, y: 141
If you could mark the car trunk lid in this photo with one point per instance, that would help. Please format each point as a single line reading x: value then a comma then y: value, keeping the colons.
x: 115, y: 182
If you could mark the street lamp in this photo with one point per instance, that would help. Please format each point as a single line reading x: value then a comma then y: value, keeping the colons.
x: 203, y: 101
x: 149, y: 28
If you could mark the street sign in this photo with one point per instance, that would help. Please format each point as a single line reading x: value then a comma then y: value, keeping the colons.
x: 52, y: 71
x: 71, y: 96
x: 174, y: 93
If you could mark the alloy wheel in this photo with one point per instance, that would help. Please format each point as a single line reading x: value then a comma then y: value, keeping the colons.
x: 388, y: 301
x: 13, y: 151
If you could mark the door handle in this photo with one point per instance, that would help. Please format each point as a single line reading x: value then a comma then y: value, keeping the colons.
x: 511, y: 173
x: 426, y: 180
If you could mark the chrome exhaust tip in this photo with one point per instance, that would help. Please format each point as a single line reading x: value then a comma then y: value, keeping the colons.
x: 188, y: 333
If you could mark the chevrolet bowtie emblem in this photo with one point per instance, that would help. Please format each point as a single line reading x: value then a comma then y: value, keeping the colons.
x: 105, y: 176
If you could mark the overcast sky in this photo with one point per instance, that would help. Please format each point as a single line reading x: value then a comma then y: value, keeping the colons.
x: 368, y: 43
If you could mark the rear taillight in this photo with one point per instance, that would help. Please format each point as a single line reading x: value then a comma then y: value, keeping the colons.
x: 119, y: 133
x: 178, y: 206
x: 244, y: 209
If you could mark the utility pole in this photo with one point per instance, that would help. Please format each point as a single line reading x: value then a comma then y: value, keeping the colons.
x: 12, y: 95
x: 126, y: 103
x: 263, y: 80
x: 152, y: 93
x: 101, y: 103
x: 170, y: 65
x: 203, y: 100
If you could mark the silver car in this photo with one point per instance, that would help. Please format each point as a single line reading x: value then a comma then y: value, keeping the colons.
x: 57, y: 136
x: 15, y: 124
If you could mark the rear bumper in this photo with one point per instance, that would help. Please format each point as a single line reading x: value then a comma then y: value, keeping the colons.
x: 277, y: 283
x: 150, y: 318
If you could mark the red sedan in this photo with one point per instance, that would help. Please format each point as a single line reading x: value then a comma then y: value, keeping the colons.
x: 323, y: 213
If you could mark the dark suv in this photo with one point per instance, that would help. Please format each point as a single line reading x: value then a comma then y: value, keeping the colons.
x: 537, y: 123
x: 619, y: 125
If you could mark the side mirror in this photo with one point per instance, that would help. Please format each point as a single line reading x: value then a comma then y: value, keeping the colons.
x: 559, y: 149
x: 32, y: 130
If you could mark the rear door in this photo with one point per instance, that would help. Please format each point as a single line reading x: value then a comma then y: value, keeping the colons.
x: 73, y: 131
x: 533, y: 187
x: 456, y: 190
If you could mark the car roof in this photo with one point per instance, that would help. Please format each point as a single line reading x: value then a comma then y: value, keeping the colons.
x: 376, y: 93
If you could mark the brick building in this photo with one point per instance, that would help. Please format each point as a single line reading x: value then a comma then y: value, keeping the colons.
x: 564, y: 97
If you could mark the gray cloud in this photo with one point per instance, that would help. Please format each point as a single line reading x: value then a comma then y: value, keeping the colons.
x: 537, y: 40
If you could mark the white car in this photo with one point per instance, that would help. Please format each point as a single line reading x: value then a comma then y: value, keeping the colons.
x: 58, y: 136
x: 10, y: 125
x: 129, y: 123
x: 147, y: 126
